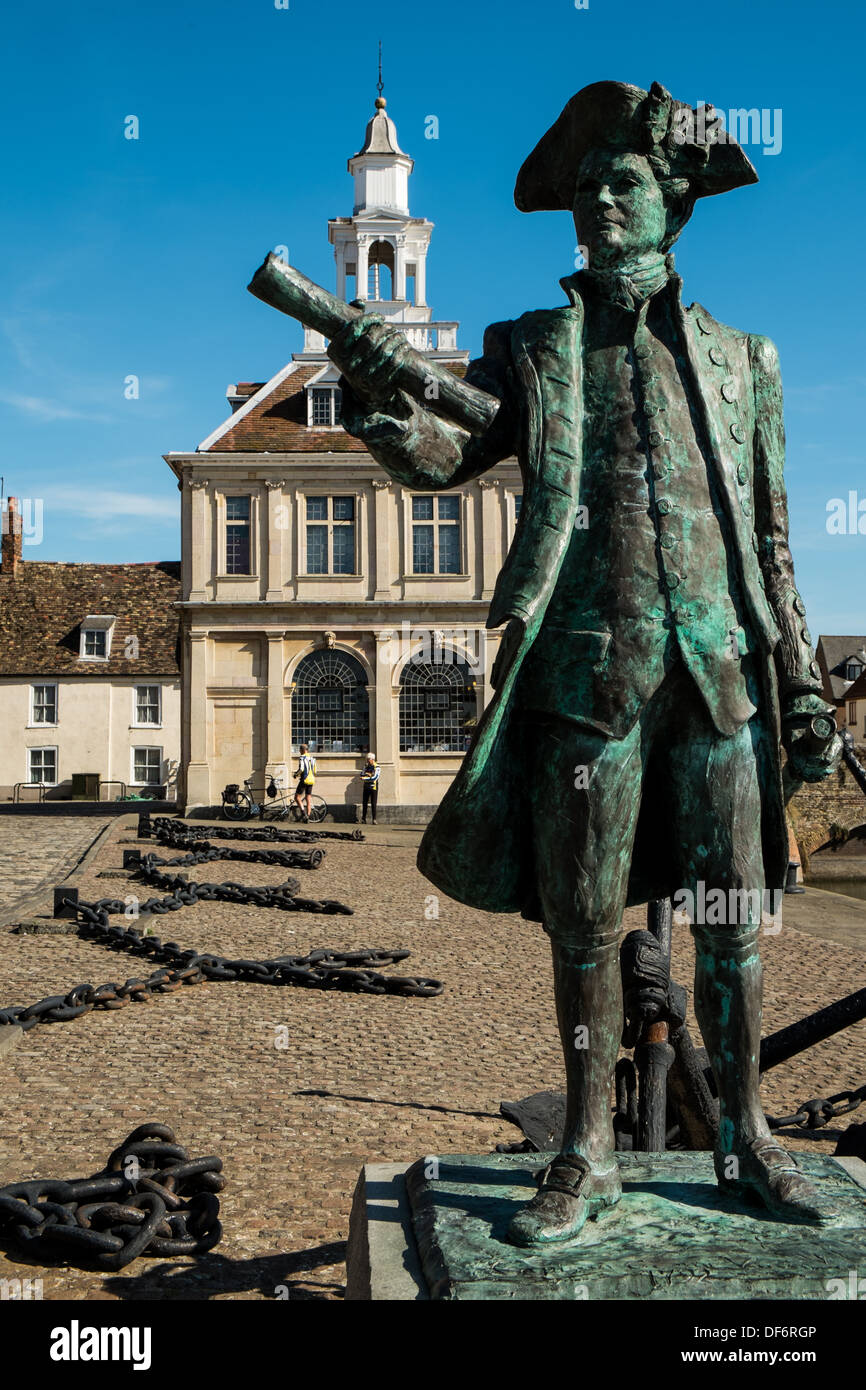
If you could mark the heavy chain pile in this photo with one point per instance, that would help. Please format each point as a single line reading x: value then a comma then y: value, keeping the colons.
x: 814, y: 1114
x: 176, y: 833
x: 150, y: 1198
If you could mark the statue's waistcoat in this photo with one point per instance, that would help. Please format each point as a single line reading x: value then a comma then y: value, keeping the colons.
x: 646, y: 573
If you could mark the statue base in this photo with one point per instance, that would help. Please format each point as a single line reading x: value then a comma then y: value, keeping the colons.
x: 436, y: 1230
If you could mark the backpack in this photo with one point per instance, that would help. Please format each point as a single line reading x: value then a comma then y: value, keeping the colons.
x: 308, y: 768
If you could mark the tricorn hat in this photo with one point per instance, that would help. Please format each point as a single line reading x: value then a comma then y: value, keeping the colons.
x: 617, y: 116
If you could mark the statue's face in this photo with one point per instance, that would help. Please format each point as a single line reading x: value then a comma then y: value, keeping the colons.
x: 619, y: 211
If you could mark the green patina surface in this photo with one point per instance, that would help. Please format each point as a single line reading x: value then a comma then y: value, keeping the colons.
x: 674, y: 1235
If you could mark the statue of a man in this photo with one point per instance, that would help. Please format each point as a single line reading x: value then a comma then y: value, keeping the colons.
x: 656, y: 656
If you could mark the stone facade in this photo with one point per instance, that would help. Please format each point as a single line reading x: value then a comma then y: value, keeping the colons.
x: 321, y: 602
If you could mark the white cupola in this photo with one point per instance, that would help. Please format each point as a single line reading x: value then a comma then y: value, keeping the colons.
x: 381, y: 250
x: 380, y: 168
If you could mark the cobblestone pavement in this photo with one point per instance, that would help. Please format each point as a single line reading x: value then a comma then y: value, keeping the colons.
x: 363, y: 1079
x: 33, y: 850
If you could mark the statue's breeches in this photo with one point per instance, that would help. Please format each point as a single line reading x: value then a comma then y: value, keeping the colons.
x: 673, y: 792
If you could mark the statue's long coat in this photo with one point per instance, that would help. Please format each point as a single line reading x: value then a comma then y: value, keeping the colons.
x: 476, y: 848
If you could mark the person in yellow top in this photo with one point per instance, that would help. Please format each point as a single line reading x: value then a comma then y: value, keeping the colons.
x: 370, y: 783
x: 306, y: 779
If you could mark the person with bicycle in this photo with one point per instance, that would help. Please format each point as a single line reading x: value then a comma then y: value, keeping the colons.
x: 306, y: 781
x: 370, y: 783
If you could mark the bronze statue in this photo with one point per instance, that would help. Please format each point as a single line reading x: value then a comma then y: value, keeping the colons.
x: 656, y: 658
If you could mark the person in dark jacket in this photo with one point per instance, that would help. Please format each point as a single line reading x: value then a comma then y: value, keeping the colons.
x: 370, y: 784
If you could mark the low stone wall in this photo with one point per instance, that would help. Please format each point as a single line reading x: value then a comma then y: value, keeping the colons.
x: 816, y: 807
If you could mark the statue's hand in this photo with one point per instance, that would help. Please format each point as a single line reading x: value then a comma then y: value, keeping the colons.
x: 809, y: 737
x: 370, y: 354
x: 387, y: 427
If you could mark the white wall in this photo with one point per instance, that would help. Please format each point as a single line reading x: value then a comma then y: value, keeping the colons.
x: 95, y: 731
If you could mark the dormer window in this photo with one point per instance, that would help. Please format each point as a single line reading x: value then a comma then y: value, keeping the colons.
x: 96, y: 631
x: 853, y: 670
x: 323, y: 406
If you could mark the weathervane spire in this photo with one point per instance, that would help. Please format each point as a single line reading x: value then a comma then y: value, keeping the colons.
x: 380, y: 84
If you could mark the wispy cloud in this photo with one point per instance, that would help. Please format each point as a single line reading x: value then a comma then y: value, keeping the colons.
x: 102, y: 504
x: 41, y: 408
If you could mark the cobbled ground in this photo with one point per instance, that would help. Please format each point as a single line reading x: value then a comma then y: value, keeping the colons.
x: 363, y: 1078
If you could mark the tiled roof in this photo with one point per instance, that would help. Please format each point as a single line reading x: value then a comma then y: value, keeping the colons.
x: 278, y: 423
x: 832, y: 653
x: 42, y: 607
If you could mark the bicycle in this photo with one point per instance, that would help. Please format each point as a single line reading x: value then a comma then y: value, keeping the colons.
x: 242, y: 804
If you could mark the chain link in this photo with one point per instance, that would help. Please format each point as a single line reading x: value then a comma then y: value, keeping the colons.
x: 814, y: 1114
x: 175, y: 832
x: 321, y: 969
x: 150, y: 1198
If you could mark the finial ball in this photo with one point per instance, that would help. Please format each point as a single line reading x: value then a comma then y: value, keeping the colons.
x: 381, y: 103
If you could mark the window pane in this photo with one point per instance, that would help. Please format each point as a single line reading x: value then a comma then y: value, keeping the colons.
x: 330, y: 709
x: 344, y: 508
x: 147, y: 765
x: 147, y: 704
x: 317, y: 550
x: 237, y: 509
x: 422, y: 508
x: 449, y: 549
x: 238, y: 549
x: 422, y: 549
x: 317, y: 509
x: 435, y: 706
x: 44, y: 704
x: 43, y: 764
x: 344, y: 550
x: 322, y: 412
x: 94, y: 642
x: 449, y: 508
x: 518, y: 503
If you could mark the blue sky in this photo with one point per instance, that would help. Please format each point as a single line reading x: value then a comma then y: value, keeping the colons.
x: 123, y: 257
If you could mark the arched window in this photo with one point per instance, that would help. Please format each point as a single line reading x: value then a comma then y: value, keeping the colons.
x: 330, y: 708
x: 437, y: 707
x: 381, y: 271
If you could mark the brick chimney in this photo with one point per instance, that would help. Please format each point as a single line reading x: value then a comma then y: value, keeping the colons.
x: 10, y: 547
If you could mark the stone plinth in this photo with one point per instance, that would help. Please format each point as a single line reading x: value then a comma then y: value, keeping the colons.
x: 437, y: 1230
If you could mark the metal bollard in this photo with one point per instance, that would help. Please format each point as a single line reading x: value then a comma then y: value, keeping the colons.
x: 131, y: 858
x: 145, y: 827
x: 60, y: 907
x: 791, y: 884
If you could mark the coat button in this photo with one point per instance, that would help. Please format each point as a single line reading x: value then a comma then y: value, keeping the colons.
x: 652, y: 410
x: 814, y: 669
x: 742, y: 473
x: 660, y: 472
x: 806, y: 636
x: 672, y: 580
x: 728, y: 392
x: 663, y: 506
x: 642, y: 350
x: 702, y: 325
x: 717, y: 357
x: 655, y: 438
x: 799, y: 606
x: 668, y: 542
x: 738, y: 433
